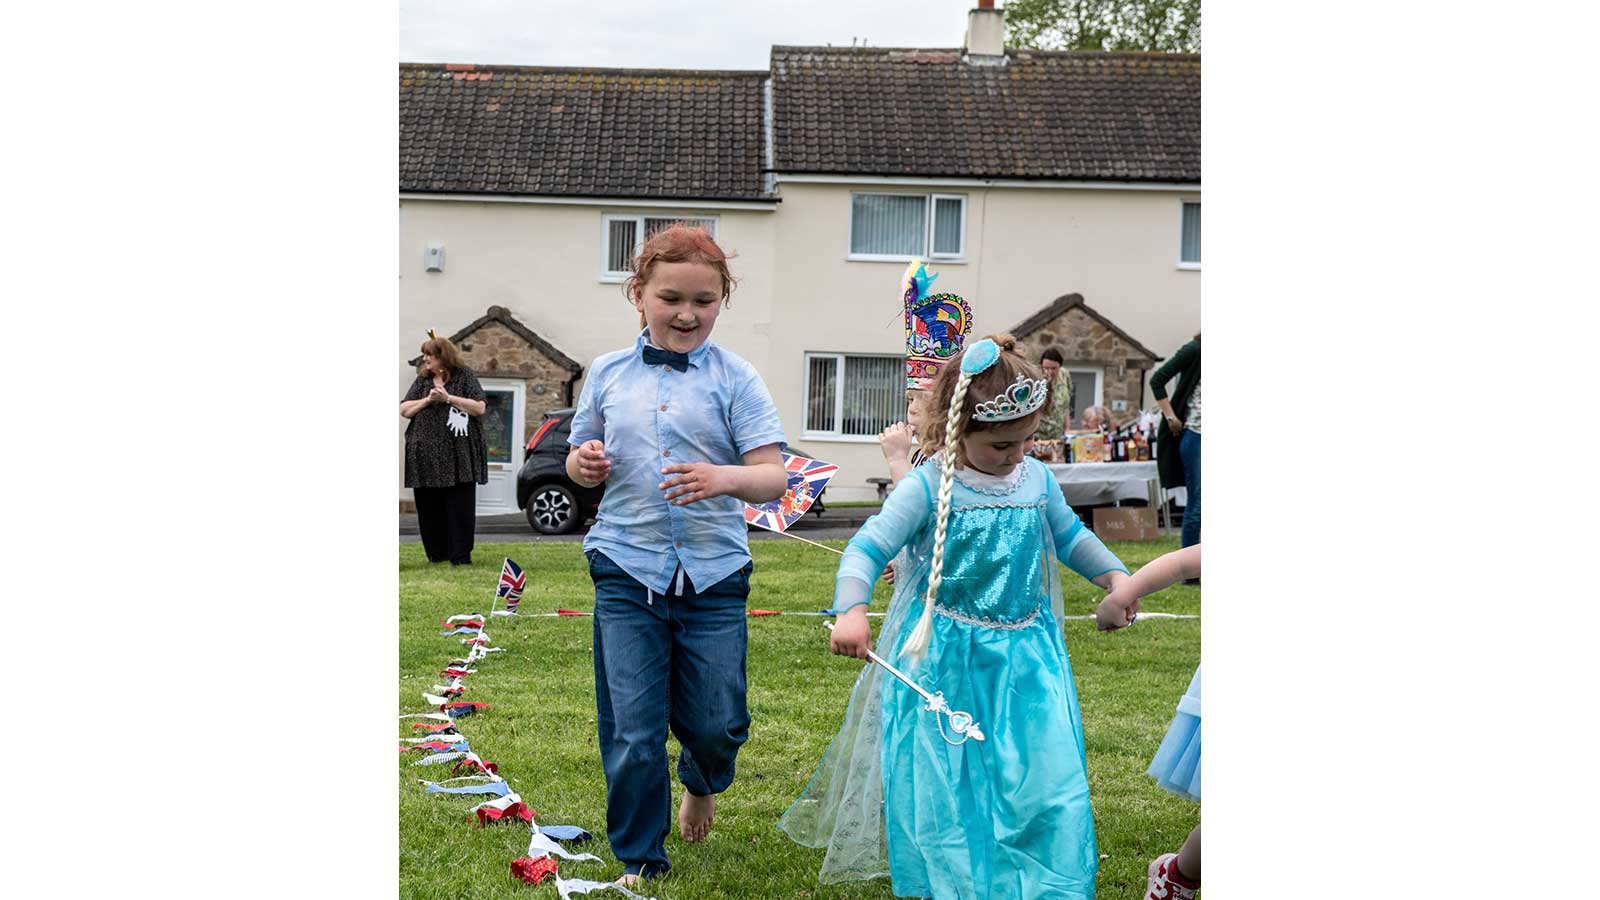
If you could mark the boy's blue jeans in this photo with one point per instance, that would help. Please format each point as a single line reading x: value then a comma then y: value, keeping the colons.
x: 665, y: 660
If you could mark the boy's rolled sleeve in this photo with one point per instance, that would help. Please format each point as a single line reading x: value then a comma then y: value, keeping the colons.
x: 587, y: 423
x: 753, y: 417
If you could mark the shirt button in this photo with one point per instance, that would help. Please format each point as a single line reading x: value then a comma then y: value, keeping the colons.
x: 666, y: 453
x: 663, y: 407
x: 679, y: 544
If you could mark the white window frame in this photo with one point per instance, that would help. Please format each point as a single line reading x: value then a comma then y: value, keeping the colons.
x: 609, y: 276
x: 927, y: 236
x: 838, y: 436
x: 1187, y: 265
x: 1099, y: 374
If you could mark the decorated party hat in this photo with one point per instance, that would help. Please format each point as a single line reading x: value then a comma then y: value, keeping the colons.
x: 936, y: 326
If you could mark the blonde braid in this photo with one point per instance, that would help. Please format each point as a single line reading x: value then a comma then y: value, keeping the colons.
x: 922, y: 636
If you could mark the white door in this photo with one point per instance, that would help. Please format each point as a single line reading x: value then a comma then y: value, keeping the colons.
x: 503, y: 433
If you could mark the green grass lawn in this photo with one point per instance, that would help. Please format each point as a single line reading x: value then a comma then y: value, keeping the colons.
x: 541, y: 729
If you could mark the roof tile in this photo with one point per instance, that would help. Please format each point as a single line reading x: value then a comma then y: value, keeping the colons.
x: 1069, y: 115
x: 584, y: 132
x: 1073, y: 115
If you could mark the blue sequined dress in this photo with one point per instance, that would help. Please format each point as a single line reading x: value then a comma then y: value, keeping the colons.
x: 1008, y: 817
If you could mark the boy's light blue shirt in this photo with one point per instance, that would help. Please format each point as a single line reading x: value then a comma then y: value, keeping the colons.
x: 650, y: 417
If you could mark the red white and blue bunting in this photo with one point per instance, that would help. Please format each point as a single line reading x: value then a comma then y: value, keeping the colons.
x: 444, y: 744
x: 439, y: 736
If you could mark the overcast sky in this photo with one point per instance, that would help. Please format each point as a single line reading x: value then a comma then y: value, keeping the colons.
x: 694, y: 34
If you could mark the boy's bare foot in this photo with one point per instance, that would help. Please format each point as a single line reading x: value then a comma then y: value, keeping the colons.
x: 628, y: 879
x: 694, y: 817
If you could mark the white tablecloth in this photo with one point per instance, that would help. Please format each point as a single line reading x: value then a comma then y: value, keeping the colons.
x: 1093, y: 484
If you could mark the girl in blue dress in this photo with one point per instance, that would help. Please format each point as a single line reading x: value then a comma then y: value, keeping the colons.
x: 978, y: 617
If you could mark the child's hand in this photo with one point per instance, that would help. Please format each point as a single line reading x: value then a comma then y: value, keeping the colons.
x: 592, y: 462
x: 1117, y: 610
x: 689, y: 482
x: 895, y: 441
x: 851, y: 635
x: 888, y: 574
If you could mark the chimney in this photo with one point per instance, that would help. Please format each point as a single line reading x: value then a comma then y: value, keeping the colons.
x: 986, y: 34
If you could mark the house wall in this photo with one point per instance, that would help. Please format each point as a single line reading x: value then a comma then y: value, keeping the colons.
x: 1024, y: 248
x: 542, y: 262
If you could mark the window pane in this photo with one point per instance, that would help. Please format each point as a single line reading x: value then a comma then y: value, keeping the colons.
x: 820, y: 396
x: 947, y: 226
x: 653, y: 225
x: 887, y: 224
x: 1191, y: 233
x: 497, y: 418
x: 619, y: 252
x: 1082, y: 396
x: 874, y: 394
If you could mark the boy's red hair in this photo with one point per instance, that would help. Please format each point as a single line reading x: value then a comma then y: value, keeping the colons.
x: 679, y: 242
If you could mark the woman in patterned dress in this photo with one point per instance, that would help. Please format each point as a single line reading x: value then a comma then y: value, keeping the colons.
x: 445, y: 451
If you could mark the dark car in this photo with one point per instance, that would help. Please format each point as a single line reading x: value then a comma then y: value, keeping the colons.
x: 554, y: 502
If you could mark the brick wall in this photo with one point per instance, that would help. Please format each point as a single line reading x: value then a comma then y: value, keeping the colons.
x: 495, y: 351
x: 1084, y: 340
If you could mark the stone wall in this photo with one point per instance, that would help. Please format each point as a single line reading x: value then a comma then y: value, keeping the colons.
x: 495, y: 351
x: 1084, y: 340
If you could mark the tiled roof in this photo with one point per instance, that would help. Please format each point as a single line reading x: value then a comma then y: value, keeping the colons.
x: 1069, y: 115
x: 503, y: 316
x: 582, y: 132
x: 1059, y: 308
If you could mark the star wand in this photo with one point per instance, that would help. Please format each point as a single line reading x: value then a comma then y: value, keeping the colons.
x: 961, y: 723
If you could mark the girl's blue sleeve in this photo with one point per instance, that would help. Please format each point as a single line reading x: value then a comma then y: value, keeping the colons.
x: 904, y: 514
x: 1075, y: 544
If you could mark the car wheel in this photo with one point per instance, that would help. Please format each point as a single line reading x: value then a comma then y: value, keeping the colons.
x: 552, y: 509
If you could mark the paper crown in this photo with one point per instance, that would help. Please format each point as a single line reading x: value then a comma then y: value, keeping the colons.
x: 937, y: 326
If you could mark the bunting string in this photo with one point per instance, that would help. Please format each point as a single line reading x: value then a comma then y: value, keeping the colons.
x: 444, y: 744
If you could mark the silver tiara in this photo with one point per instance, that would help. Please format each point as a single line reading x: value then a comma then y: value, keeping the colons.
x: 1023, y: 397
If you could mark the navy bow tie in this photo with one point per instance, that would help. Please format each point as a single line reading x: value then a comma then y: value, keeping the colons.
x: 654, y: 357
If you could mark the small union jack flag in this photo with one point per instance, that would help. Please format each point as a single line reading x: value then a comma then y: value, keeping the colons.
x: 512, y: 581
x: 807, y: 479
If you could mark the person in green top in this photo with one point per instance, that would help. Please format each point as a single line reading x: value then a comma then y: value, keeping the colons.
x: 1178, y: 445
x: 1053, y: 424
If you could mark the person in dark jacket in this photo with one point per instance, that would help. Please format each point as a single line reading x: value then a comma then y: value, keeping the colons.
x: 1178, y: 445
x: 446, y: 455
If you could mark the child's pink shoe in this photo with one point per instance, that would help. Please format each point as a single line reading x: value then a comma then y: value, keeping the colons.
x: 1165, y: 883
